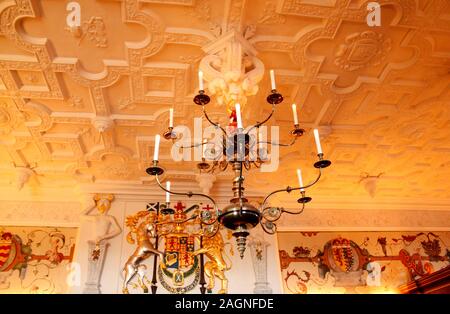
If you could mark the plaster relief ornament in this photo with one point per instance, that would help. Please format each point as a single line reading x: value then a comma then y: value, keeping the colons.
x: 361, y: 50
x: 103, y: 228
x: 4, y: 117
x: 232, y: 69
x: 23, y: 175
x: 270, y: 15
x: 101, y: 124
x: 95, y: 31
x: 126, y: 103
x: 9, y: 118
x: 205, y: 181
x: 76, y: 102
x: 370, y: 183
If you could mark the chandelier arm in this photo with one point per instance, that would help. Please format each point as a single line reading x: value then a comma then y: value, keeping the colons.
x: 188, y: 194
x: 280, y: 144
x: 212, y: 235
x: 258, y: 124
x: 196, y: 145
x: 213, y: 123
x: 178, y: 222
x: 212, y: 222
x: 290, y: 189
x: 213, y: 168
x: 266, y: 217
x: 294, y: 213
x: 224, y: 166
x: 158, y: 223
x: 274, y: 228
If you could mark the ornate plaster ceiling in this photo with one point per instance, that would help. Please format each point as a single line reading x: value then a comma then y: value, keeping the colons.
x: 379, y: 95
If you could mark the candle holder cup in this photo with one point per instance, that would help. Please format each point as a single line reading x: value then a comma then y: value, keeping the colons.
x: 201, y: 99
x: 304, y: 199
x: 203, y: 165
x: 297, y: 131
x: 274, y: 98
x: 322, y: 163
x: 167, y: 210
x: 155, y: 169
x: 170, y: 134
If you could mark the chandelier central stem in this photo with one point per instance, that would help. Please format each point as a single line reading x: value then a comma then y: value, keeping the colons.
x: 238, y: 188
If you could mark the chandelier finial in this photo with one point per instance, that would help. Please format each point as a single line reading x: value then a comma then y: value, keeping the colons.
x: 241, y: 241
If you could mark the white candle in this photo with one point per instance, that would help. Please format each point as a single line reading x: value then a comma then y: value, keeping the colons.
x: 272, y: 79
x: 200, y: 80
x: 167, y: 193
x: 204, y: 148
x: 156, y: 153
x: 294, y: 113
x: 317, y: 138
x: 238, y: 116
x: 300, y: 179
x: 171, y: 118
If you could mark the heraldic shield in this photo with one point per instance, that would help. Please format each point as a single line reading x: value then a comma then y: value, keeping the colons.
x: 178, y: 259
x: 7, y: 251
x: 181, y: 271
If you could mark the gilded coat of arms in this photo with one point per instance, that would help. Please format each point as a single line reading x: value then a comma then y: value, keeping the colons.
x: 185, y: 236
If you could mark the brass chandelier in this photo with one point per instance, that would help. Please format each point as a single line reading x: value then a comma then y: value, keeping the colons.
x: 234, y: 151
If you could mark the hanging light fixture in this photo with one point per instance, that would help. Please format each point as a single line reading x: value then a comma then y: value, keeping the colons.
x: 239, y: 215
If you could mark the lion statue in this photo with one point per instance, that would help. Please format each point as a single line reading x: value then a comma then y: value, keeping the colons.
x: 213, y: 248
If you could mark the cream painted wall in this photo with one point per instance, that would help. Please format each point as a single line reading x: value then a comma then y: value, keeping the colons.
x: 63, y: 208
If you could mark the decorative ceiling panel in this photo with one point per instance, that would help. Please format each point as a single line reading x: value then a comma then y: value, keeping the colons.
x: 84, y: 104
